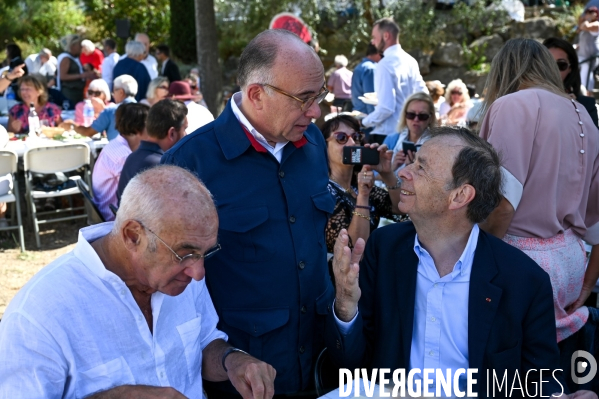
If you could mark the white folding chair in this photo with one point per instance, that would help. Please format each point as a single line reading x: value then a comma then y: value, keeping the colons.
x: 47, y: 160
x: 8, y: 167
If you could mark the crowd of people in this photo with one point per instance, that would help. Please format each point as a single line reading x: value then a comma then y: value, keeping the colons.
x: 214, y: 277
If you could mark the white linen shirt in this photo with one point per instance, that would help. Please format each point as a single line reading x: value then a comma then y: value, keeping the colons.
x: 396, y: 77
x: 74, y: 329
x: 107, y: 66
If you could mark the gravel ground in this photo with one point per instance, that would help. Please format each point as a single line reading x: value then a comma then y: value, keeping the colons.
x: 17, y: 268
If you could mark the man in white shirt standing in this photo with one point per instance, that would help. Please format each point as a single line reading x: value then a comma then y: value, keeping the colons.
x: 127, y: 312
x: 396, y: 77
x: 111, y: 57
x: 149, y: 62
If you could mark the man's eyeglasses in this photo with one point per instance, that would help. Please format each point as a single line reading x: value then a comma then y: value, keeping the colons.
x: 562, y: 65
x: 94, y: 93
x: 412, y: 115
x: 307, y: 103
x: 187, y: 260
x: 342, y: 137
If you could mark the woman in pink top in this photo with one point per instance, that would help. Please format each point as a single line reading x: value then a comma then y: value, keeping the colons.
x: 550, y: 156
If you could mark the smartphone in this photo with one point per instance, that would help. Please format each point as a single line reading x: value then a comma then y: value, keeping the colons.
x: 409, y: 146
x: 360, y: 156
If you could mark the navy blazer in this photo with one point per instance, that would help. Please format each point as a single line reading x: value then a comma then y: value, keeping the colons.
x: 269, y: 283
x: 511, y: 323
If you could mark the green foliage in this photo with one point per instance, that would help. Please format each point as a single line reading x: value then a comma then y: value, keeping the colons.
x: 151, y: 16
x: 183, y: 31
x: 566, y: 21
x: 475, y: 58
x: 34, y: 24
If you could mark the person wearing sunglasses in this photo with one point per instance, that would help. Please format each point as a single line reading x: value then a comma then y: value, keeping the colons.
x: 567, y: 62
x: 359, y: 203
x: 588, y: 46
x: 127, y: 313
x: 550, y: 158
x: 99, y: 94
x: 157, y: 90
x: 417, y: 116
x: 456, y: 96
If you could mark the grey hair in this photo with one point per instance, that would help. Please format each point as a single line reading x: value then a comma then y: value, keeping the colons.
x: 135, y: 49
x: 151, y: 93
x: 100, y: 85
x: 341, y: 60
x: 88, y: 45
x: 258, y: 57
x: 151, y: 193
x: 127, y: 83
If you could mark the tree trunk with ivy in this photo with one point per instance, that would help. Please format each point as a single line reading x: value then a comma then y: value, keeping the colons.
x: 183, y: 31
x: 207, y: 50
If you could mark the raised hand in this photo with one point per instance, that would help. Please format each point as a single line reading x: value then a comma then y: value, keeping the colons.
x: 346, y: 267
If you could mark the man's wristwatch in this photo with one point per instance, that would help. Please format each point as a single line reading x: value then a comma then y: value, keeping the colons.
x: 228, y: 352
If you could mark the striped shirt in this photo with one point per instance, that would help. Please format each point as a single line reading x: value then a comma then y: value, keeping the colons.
x: 106, y: 174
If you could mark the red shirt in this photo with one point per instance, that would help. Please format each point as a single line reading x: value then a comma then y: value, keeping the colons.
x: 94, y: 58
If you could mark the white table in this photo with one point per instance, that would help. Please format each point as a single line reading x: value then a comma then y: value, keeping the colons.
x: 20, y: 146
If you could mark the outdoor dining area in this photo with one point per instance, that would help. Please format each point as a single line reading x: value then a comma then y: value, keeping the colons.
x: 37, y: 171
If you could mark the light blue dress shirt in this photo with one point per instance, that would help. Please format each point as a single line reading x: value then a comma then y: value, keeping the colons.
x: 107, y: 119
x: 440, y: 330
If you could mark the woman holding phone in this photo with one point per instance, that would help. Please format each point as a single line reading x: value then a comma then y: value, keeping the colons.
x: 417, y: 116
x: 359, y: 203
x: 550, y: 165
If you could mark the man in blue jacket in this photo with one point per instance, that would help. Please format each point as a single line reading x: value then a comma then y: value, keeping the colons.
x: 265, y: 164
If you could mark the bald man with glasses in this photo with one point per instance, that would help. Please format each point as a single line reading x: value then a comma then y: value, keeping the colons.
x: 264, y: 161
x: 127, y: 314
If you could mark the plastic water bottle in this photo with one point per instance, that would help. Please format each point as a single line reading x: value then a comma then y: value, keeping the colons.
x: 34, y: 122
x: 88, y: 113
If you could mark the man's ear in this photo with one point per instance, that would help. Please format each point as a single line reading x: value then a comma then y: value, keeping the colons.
x: 131, y: 233
x: 255, y: 94
x: 461, y: 196
x: 172, y: 134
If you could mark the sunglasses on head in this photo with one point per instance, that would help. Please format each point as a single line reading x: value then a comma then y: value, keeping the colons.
x: 94, y: 93
x: 562, y: 65
x: 412, y: 115
x: 459, y: 93
x: 342, y: 137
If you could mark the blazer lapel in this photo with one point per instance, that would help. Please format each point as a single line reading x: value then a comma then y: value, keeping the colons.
x: 406, y: 269
x: 483, y: 300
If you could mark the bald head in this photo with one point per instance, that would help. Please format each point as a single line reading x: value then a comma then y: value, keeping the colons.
x: 273, y: 46
x: 143, y: 39
x: 165, y: 194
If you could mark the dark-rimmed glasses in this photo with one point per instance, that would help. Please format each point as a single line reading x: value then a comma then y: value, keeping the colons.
x: 187, y: 260
x: 562, y: 65
x: 307, y: 103
x: 342, y: 137
x: 412, y: 115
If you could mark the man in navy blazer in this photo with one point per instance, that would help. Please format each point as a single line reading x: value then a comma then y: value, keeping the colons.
x: 265, y: 164
x: 439, y: 293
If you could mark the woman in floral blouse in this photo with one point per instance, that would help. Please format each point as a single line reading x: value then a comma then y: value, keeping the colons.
x: 359, y: 203
x: 32, y: 90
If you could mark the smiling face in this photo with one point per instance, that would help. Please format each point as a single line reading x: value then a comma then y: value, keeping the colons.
x: 417, y: 126
x: 424, y: 190
x: 29, y: 94
x: 561, y: 57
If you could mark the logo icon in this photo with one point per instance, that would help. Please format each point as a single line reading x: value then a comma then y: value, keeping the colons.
x: 579, y: 367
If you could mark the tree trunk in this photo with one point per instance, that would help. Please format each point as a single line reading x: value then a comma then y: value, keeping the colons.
x: 183, y: 31
x: 207, y: 48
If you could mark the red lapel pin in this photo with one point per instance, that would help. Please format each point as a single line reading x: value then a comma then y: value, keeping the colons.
x: 488, y: 299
